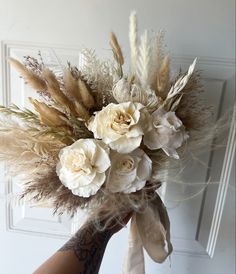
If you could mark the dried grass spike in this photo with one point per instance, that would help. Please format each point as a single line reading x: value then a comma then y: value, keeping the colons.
x: 163, y: 77
x: 87, y: 97
x: 71, y: 85
x: 133, y: 40
x: 81, y: 111
x: 30, y: 77
x: 55, y: 91
x: 48, y: 115
x: 116, y: 49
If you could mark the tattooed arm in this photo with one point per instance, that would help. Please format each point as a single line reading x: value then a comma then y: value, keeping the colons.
x: 82, y: 254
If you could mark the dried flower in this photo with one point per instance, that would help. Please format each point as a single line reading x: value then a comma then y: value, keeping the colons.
x: 82, y: 166
x: 71, y: 85
x: 48, y: 115
x: 86, y: 95
x: 116, y: 49
x: 30, y: 77
x: 163, y: 76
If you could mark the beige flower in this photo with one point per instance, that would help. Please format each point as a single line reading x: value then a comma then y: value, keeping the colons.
x: 128, y: 172
x: 83, y: 165
x: 121, y: 126
x: 168, y: 133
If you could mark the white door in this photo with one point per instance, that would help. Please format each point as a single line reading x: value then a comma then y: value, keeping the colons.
x: 203, y: 226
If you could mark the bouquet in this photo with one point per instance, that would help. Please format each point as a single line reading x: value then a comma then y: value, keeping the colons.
x: 102, y: 139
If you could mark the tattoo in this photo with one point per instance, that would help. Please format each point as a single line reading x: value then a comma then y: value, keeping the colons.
x: 89, y: 247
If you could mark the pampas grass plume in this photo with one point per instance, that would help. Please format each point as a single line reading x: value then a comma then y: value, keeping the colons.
x: 81, y: 111
x: 116, y: 48
x: 87, y: 97
x: 48, y: 115
x: 31, y: 78
x: 71, y: 85
x: 163, y: 76
x: 54, y: 89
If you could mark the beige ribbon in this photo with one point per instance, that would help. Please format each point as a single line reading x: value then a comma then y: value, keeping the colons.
x: 149, y: 230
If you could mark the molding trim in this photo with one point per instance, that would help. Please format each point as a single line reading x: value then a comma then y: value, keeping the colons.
x: 223, y: 187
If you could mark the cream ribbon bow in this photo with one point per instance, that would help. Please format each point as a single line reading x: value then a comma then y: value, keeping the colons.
x: 150, y: 230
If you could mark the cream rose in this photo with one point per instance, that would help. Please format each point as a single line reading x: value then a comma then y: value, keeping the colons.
x: 128, y: 172
x: 168, y: 133
x: 82, y: 166
x: 121, y: 126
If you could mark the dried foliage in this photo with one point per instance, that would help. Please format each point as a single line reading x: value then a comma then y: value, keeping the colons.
x: 30, y: 142
x: 29, y: 76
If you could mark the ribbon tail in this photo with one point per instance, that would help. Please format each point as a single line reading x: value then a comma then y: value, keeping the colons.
x: 154, y: 230
x: 134, y: 260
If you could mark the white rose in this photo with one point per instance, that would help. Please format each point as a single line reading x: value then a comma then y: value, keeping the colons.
x: 168, y: 133
x: 121, y: 126
x: 129, y: 172
x: 82, y: 166
x: 124, y: 91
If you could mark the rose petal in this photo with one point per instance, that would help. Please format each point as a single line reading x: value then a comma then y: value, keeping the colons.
x: 126, y: 145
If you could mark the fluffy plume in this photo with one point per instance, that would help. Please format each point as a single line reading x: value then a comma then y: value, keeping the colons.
x: 27, y: 154
x: 99, y: 75
x: 144, y: 61
x: 81, y: 111
x: 30, y: 77
x: 71, y: 85
x: 86, y: 95
x: 48, y: 115
x: 116, y: 49
x: 133, y: 41
x: 58, y: 96
x: 163, y: 77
